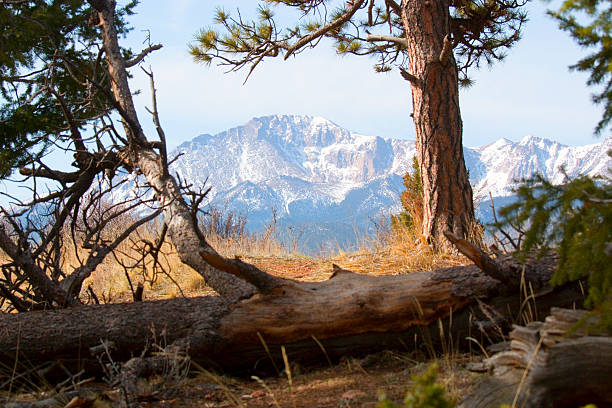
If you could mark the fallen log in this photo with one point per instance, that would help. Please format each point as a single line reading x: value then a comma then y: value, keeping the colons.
x: 549, y: 364
x: 349, y: 313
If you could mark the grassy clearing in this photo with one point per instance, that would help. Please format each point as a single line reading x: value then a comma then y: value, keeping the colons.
x: 390, y: 251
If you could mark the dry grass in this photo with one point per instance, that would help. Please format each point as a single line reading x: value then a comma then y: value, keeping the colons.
x: 172, y: 278
x: 389, y: 251
x: 351, y: 383
x: 394, y: 250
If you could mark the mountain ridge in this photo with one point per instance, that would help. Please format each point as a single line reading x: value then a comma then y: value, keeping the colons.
x: 314, y: 174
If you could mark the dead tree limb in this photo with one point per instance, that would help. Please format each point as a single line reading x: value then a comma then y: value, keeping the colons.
x: 349, y: 313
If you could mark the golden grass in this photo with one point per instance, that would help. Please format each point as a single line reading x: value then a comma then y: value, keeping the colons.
x: 110, y: 282
x: 389, y: 251
x: 393, y: 251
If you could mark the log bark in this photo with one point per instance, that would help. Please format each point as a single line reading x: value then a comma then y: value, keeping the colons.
x: 347, y: 314
x: 447, y: 194
x: 549, y: 364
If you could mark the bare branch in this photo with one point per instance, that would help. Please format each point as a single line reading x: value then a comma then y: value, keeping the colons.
x: 137, y: 59
x: 488, y: 265
x: 409, y: 77
x: 61, y: 176
x: 396, y: 40
x: 156, y: 121
x: 25, y: 260
x: 73, y: 283
x: 504, y: 233
x: 394, y: 6
x: 264, y: 282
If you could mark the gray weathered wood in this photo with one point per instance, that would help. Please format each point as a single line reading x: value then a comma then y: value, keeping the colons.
x: 550, y: 364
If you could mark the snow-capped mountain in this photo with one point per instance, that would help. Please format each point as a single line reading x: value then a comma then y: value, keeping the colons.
x: 495, y: 168
x: 329, y: 183
x: 307, y: 169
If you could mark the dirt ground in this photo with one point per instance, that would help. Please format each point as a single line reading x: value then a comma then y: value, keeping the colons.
x: 350, y: 383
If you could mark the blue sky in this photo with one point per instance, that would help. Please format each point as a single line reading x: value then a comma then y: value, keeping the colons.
x: 531, y: 93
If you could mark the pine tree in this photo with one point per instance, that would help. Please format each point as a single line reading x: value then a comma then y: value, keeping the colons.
x: 589, y: 22
x: 411, y: 216
x: 574, y: 219
x: 43, y: 57
x: 433, y: 43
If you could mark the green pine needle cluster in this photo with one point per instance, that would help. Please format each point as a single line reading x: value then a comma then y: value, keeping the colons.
x: 424, y: 393
x: 237, y: 37
x: 481, y: 31
x: 42, y: 40
x: 412, y: 202
x: 575, y: 219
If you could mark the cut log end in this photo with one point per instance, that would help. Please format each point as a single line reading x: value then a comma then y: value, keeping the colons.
x: 548, y: 364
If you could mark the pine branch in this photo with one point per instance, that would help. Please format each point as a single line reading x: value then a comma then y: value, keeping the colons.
x: 348, y: 14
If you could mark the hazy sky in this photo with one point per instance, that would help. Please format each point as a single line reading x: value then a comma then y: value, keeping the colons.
x: 531, y: 93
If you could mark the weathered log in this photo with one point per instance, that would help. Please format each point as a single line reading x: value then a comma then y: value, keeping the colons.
x: 349, y: 313
x: 549, y: 364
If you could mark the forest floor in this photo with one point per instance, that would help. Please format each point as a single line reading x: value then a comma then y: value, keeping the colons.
x: 353, y: 382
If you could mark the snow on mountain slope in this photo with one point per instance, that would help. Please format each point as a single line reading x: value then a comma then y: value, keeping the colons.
x: 305, y: 168
x: 499, y: 165
x: 329, y: 181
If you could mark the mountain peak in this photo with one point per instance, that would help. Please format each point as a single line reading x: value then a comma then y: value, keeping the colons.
x: 306, y: 120
x: 298, y: 130
x: 540, y: 142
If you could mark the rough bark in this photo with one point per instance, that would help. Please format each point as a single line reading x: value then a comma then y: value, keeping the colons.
x: 447, y: 194
x: 549, y: 364
x: 349, y: 313
x: 182, y: 229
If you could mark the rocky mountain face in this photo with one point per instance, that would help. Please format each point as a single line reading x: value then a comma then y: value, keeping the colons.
x: 329, y: 184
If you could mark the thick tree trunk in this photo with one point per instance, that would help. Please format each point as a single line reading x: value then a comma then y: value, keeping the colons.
x: 435, y: 99
x: 347, y: 314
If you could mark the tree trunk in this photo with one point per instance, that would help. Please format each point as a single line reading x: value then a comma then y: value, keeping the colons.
x: 182, y: 228
x: 347, y: 314
x: 447, y: 194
